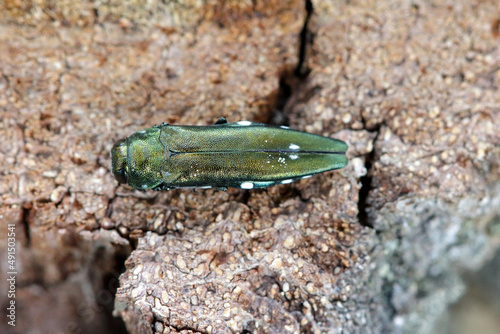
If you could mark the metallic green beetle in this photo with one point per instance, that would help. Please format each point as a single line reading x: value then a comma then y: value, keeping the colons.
x: 242, y: 155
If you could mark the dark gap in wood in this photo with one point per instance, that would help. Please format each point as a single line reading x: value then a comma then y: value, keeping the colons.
x: 291, y: 77
x: 110, y: 283
x: 366, y: 181
x: 26, y: 225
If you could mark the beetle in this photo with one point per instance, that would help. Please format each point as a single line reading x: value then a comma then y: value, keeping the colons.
x: 242, y: 155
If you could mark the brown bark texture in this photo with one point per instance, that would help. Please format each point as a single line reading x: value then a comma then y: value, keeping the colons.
x: 377, y: 247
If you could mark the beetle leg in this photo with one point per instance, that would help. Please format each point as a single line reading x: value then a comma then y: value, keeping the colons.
x: 161, y: 125
x: 161, y: 187
x: 221, y: 120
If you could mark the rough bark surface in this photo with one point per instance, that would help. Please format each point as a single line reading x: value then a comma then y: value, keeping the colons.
x: 377, y: 247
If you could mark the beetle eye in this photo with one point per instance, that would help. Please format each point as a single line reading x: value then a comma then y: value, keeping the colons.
x: 119, y: 160
x: 121, y: 175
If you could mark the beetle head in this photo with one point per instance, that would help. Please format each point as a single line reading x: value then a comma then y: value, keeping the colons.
x: 119, y: 160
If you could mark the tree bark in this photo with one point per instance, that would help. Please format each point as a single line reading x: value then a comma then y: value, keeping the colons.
x: 378, y: 247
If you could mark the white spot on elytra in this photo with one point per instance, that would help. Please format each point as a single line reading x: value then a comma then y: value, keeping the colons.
x: 293, y: 156
x: 142, y: 131
x: 287, y: 181
x: 245, y: 123
x: 246, y: 185
x: 294, y: 147
x: 284, y: 127
x: 144, y: 186
x: 306, y: 177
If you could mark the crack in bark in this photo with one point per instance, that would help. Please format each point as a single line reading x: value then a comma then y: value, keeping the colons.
x: 306, y: 39
x: 290, y: 79
x: 366, y: 181
x: 26, y: 226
